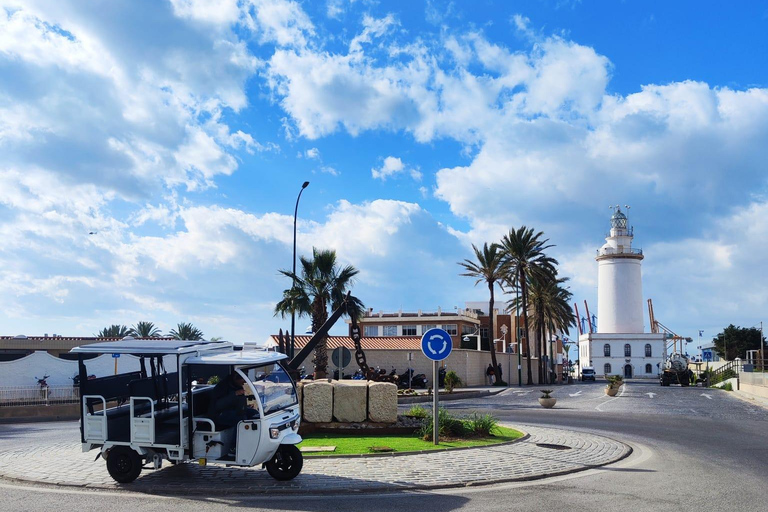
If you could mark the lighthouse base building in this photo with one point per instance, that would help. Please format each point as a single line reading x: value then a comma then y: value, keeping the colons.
x: 620, y: 347
x: 635, y: 356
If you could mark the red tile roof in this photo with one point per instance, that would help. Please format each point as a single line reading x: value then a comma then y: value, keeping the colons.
x: 377, y: 343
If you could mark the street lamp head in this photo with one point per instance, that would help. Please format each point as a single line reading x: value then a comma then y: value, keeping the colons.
x: 306, y: 183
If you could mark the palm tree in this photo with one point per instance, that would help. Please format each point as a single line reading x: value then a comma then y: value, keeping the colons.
x: 114, y: 331
x: 186, y: 332
x: 488, y: 268
x: 145, y: 330
x: 549, y: 304
x: 525, y: 259
x: 321, y: 284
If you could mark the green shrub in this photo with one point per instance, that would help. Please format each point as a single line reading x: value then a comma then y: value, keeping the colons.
x: 727, y: 386
x: 451, y: 381
x: 417, y: 411
x: 499, y: 383
x: 448, y: 425
x: 214, y: 380
x: 545, y: 393
x: 481, y: 425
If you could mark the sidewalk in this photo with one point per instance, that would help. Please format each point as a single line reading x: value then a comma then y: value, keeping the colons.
x: 544, y: 452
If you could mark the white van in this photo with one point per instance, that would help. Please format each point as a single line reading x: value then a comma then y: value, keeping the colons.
x: 587, y: 373
x: 160, y: 412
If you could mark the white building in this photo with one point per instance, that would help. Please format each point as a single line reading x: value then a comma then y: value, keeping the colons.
x: 620, y: 345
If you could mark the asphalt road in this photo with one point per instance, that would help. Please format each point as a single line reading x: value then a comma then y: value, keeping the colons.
x: 694, y: 449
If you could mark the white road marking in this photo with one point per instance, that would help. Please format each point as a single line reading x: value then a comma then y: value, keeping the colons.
x: 706, y: 395
x: 575, y: 394
x: 651, y: 395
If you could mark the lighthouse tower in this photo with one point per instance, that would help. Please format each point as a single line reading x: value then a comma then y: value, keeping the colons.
x: 620, y: 347
x: 619, y: 280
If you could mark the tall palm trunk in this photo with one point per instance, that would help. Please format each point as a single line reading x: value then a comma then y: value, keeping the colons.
x: 490, y: 328
x: 523, y: 295
x: 319, y: 316
x: 541, y: 346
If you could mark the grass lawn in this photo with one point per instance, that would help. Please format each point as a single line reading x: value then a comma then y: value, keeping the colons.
x: 347, y: 444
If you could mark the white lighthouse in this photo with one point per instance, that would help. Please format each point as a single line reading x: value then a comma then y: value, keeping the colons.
x: 620, y: 345
x: 619, y: 280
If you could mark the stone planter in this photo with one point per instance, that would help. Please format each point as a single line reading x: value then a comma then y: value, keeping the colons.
x: 547, y: 403
x: 611, y: 391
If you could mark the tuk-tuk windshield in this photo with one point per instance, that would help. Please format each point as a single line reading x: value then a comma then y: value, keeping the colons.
x: 273, y: 386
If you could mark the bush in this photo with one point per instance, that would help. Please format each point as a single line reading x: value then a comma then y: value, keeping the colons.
x: 545, y: 393
x: 727, y: 386
x: 448, y: 425
x: 481, y: 425
x: 451, y: 381
x: 417, y: 411
x: 499, y: 383
x: 214, y: 379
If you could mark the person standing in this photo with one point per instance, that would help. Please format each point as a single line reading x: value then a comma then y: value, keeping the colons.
x: 489, y: 373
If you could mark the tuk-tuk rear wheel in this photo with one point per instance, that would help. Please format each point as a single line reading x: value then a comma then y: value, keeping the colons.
x: 123, y: 464
x: 286, y: 464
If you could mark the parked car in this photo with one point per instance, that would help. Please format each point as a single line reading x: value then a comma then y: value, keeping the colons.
x: 587, y: 373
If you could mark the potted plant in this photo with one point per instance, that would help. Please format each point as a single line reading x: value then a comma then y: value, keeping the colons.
x: 614, y: 383
x: 547, y: 401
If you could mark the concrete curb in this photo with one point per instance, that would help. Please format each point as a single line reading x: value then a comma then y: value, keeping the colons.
x: 63, y: 466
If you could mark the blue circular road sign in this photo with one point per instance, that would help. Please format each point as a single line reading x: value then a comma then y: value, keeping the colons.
x: 436, y: 344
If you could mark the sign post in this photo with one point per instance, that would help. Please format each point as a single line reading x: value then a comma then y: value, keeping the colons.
x: 341, y: 357
x: 436, y: 344
x: 115, y: 356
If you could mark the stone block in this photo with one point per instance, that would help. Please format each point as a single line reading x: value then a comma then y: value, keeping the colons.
x: 318, y: 402
x: 300, y: 396
x: 382, y: 402
x: 350, y: 400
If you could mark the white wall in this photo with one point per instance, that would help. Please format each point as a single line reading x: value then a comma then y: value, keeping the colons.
x: 26, y: 371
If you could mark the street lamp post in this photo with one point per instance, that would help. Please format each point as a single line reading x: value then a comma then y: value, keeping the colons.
x: 293, y: 285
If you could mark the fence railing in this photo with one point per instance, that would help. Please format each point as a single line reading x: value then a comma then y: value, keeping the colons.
x: 36, y: 395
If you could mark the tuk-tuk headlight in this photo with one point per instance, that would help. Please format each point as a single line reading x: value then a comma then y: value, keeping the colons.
x: 274, y: 432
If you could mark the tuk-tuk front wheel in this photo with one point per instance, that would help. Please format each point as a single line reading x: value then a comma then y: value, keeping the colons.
x: 123, y: 464
x: 286, y: 463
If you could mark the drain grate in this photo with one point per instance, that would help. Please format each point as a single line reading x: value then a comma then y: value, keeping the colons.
x: 553, y: 446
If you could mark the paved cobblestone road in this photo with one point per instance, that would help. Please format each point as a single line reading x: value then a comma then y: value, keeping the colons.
x: 41, y: 456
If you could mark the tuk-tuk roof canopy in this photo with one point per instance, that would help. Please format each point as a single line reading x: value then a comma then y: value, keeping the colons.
x: 151, y: 347
x: 240, y: 357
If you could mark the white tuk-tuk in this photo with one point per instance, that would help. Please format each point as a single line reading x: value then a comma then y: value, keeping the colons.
x: 158, y: 410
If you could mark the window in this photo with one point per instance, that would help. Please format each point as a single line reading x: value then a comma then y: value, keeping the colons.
x: 426, y: 327
x: 627, y: 350
x: 389, y: 330
x: 467, y: 329
x: 647, y: 351
x: 451, y: 329
x: 409, y: 330
x: 607, y: 350
x: 607, y: 369
x: 648, y: 368
x: 371, y: 331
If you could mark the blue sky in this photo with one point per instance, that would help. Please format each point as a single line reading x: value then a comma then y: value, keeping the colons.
x: 180, y: 132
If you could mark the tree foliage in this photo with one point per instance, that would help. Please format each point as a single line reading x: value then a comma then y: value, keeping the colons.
x: 526, y: 260
x: 186, y: 331
x: 488, y: 268
x: 145, y: 330
x: 322, y: 283
x: 114, y: 331
x: 736, y: 341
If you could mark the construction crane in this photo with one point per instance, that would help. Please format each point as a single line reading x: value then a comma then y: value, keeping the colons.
x: 672, y: 338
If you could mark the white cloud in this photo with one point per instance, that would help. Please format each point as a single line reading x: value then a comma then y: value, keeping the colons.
x: 393, y: 166
x: 372, y: 27
x: 312, y: 154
